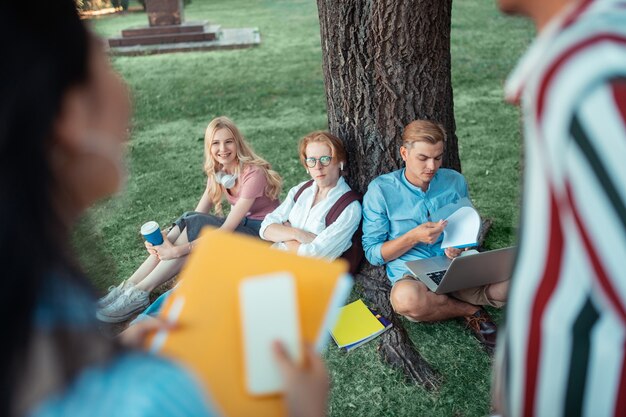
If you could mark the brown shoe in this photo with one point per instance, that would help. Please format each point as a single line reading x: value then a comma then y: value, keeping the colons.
x: 483, y: 328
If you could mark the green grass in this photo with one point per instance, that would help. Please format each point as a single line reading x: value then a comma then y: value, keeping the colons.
x: 275, y: 93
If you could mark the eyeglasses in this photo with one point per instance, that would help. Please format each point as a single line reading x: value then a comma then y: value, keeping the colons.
x: 324, y: 160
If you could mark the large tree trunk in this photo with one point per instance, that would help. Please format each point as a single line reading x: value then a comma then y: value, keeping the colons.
x: 386, y: 63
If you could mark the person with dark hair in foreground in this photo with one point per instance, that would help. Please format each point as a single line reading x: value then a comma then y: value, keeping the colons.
x: 63, y: 122
x: 563, y: 346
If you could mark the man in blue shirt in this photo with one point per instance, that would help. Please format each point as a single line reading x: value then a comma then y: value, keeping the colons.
x: 397, y: 228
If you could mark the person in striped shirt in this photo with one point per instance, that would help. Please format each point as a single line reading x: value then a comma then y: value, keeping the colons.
x: 563, y: 352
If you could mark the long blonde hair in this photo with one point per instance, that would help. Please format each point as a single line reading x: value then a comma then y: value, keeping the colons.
x: 245, y: 156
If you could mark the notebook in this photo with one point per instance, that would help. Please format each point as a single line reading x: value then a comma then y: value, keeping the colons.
x: 357, y: 325
x: 205, y: 306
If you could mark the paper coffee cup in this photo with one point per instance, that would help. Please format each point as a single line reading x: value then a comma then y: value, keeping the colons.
x: 152, y: 233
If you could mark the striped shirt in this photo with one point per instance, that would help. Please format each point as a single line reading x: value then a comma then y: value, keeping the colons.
x: 562, y: 352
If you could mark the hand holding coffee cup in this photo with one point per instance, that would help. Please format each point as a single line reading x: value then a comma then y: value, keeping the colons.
x: 152, y: 233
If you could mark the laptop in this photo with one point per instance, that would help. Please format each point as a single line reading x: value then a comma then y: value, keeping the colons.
x: 472, y: 269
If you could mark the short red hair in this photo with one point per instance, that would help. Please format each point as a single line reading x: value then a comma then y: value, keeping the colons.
x: 334, y: 143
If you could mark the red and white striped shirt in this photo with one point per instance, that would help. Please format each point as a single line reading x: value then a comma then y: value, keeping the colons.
x: 563, y: 348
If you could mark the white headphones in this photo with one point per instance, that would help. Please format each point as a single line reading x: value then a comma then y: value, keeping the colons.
x: 227, y: 180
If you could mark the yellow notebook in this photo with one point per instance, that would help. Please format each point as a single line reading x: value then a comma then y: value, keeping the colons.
x: 356, y: 325
x: 205, y: 305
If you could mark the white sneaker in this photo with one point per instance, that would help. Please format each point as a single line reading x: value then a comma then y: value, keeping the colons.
x: 114, y: 292
x: 128, y: 303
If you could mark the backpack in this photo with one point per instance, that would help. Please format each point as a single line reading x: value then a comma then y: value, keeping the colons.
x: 354, y: 255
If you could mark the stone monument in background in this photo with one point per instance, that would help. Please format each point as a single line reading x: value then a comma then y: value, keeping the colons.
x: 168, y: 32
x: 164, y: 12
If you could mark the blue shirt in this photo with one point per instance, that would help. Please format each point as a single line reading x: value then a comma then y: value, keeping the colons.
x: 133, y: 384
x: 392, y: 206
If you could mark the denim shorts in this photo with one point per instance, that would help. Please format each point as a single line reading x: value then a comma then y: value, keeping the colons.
x: 194, y: 222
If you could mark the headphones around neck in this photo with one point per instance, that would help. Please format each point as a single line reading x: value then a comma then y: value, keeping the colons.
x: 227, y: 180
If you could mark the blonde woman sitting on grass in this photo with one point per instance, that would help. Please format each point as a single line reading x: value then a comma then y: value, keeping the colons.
x: 234, y: 172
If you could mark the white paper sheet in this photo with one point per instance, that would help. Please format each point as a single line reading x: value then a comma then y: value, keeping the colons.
x: 269, y: 312
x: 462, y: 229
x: 447, y: 210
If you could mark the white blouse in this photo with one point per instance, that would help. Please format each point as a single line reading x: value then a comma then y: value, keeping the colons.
x: 331, y: 241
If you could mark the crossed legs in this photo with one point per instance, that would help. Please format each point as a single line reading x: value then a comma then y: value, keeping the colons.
x: 412, y: 299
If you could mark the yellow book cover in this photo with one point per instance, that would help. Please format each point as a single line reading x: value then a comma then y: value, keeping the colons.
x: 205, y: 306
x: 356, y: 322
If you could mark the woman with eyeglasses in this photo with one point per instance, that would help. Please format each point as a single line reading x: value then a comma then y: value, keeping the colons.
x: 235, y: 173
x: 299, y: 224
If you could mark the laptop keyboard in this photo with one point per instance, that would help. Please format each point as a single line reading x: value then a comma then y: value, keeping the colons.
x: 436, y: 276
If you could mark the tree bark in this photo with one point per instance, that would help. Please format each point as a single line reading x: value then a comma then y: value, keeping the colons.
x: 387, y: 63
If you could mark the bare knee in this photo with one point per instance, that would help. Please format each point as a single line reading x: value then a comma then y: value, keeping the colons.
x: 498, y: 291
x: 408, y: 298
x: 181, y: 238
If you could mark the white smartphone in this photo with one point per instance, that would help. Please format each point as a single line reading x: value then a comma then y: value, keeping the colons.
x: 269, y: 312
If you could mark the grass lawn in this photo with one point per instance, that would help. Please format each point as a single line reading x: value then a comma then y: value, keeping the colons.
x: 275, y: 93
